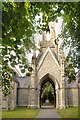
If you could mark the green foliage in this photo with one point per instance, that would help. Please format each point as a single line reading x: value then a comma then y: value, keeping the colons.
x: 6, y: 80
x: 47, y: 92
x: 70, y: 35
x: 70, y: 72
x: 17, y: 40
x: 70, y: 67
x: 17, y: 31
x: 71, y: 30
x: 19, y: 26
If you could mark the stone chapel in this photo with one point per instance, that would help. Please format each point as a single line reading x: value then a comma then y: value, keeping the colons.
x: 47, y: 67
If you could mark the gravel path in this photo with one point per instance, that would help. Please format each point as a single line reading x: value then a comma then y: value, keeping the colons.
x: 48, y: 112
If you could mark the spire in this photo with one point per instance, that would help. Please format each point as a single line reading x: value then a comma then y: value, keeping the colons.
x: 49, y: 36
x: 48, y: 29
x: 34, y: 58
x: 52, y: 31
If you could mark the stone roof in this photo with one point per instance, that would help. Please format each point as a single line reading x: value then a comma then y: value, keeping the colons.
x: 24, y: 82
x: 56, y: 56
x: 48, y: 50
x: 40, y: 55
x: 73, y: 84
x: 14, y: 78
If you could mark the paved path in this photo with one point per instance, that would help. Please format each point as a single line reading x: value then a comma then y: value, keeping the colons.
x: 48, y: 112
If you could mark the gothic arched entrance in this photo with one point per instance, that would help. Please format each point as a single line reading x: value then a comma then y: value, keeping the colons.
x: 47, y: 92
x: 48, y: 67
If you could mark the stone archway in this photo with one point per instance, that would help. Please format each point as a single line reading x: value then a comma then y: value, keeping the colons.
x: 49, y: 78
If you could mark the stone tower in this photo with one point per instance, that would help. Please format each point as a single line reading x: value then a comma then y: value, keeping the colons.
x: 49, y: 65
x: 33, y: 85
x: 49, y: 38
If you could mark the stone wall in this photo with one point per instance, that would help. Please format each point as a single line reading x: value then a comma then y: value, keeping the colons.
x: 23, y: 91
x: 4, y: 102
x: 49, y: 66
x: 24, y: 82
x: 23, y: 95
x: 12, y: 98
x: 72, y: 97
x: 10, y: 101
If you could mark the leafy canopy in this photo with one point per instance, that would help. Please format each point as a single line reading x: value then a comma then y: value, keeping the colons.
x: 19, y: 26
x: 47, y: 93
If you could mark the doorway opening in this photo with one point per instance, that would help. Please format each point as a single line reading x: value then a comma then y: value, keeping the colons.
x: 47, y: 93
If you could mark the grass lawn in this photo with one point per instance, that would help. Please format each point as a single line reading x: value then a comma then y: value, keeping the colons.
x: 20, y: 113
x: 79, y: 113
x: 71, y: 112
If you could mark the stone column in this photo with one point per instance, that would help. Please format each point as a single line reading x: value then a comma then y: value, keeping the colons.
x: 57, y: 98
x: 62, y: 82
x: 38, y: 96
x: 4, y: 102
x: 33, y: 99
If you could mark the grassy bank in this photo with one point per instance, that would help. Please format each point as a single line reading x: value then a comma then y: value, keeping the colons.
x: 20, y: 113
x: 71, y: 112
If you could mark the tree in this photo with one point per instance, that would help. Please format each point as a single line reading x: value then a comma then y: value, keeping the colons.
x: 19, y: 26
x: 71, y: 37
x: 17, y: 31
x: 47, y: 92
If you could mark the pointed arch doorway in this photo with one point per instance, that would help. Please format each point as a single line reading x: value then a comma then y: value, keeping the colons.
x: 47, y: 92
